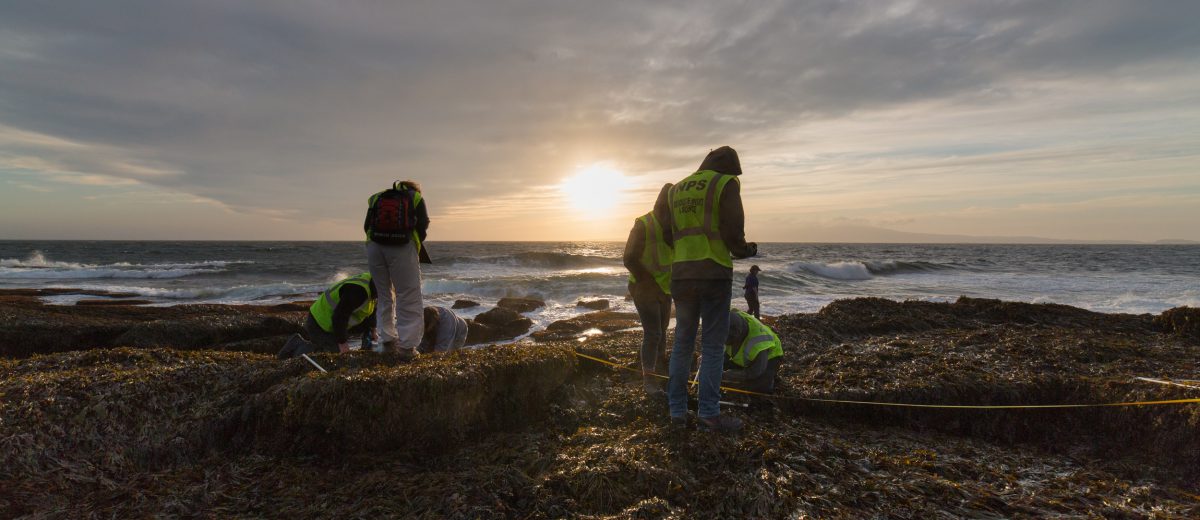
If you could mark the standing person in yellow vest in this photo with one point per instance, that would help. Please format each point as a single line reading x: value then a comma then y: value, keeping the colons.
x: 648, y: 259
x: 753, y: 353
x: 708, y: 228
x: 347, y: 307
x: 395, y: 225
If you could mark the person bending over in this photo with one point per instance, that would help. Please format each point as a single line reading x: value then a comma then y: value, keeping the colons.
x: 346, y: 307
x: 444, y: 331
x: 753, y: 354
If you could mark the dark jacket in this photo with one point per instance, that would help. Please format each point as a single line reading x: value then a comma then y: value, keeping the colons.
x: 422, y: 219
x: 731, y: 222
x: 636, y: 243
x: 350, y: 297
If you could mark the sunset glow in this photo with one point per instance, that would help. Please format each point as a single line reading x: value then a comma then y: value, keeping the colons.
x: 594, y: 189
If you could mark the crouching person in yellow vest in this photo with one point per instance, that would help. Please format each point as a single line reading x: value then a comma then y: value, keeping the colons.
x: 753, y: 354
x: 348, y: 307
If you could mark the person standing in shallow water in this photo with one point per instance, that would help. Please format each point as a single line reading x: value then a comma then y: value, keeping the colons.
x: 708, y: 230
x: 751, y: 291
x: 396, y: 225
x: 648, y: 258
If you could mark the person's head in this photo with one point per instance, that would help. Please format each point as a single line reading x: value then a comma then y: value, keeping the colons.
x: 754, y: 269
x: 410, y: 185
x: 431, y: 320
x: 722, y: 160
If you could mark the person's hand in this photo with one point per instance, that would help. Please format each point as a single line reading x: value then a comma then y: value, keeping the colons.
x: 343, y: 347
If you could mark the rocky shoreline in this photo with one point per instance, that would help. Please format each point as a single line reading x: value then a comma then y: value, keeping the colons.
x: 123, y: 410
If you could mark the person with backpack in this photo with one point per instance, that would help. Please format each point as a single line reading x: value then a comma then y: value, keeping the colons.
x: 396, y: 223
x: 708, y: 229
x: 648, y: 259
x: 347, y: 307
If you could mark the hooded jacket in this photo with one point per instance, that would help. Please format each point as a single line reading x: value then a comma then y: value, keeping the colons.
x: 731, y: 221
x: 636, y: 243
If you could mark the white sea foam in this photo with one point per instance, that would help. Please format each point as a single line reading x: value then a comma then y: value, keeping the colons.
x: 37, y: 267
x: 836, y: 270
x: 235, y: 294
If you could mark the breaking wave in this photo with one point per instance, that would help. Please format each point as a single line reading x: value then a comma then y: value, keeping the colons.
x: 38, y: 267
x: 866, y: 270
x: 235, y: 294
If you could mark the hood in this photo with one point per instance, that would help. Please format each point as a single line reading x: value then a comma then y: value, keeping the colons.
x: 722, y: 160
x: 662, y: 205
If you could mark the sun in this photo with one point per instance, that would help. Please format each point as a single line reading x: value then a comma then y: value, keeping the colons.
x: 594, y: 189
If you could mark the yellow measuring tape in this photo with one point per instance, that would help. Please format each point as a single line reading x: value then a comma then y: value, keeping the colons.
x: 914, y: 405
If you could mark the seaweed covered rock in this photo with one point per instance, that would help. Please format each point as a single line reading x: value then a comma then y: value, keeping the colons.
x: 28, y: 327
x: 118, y: 409
x: 498, y: 324
x: 525, y: 304
x: 422, y: 405
x: 1181, y: 321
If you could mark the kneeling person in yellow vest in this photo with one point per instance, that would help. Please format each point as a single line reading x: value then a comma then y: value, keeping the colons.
x: 348, y: 307
x: 753, y: 354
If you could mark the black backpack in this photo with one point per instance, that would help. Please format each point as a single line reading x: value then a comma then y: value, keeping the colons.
x: 392, y: 217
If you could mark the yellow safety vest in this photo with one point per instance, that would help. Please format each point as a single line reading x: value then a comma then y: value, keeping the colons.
x: 322, y: 309
x: 759, y: 338
x: 656, y: 255
x: 695, y: 206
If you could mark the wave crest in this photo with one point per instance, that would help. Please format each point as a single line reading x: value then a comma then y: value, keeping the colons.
x: 855, y: 270
x: 37, y: 267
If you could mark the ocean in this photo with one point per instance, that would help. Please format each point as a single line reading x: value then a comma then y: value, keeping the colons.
x: 796, y: 277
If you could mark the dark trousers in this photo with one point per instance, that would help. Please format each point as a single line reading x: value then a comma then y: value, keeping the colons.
x: 315, y: 340
x: 654, y: 309
x: 763, y: 384
x: 752, y: 304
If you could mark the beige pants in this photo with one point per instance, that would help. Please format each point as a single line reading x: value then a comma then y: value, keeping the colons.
x: 399, y: 312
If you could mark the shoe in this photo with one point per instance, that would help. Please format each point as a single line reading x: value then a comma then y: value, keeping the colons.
x: 678, y: 424
x: 289, y: 348
x: 390, y: 346
x: 653, y: 387
x: 406, y: 354
x: 720, y: 424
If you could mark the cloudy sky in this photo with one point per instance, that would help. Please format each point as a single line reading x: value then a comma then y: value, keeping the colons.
x: 222, y: 119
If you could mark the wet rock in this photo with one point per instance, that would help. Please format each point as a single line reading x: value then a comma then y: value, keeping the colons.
x: 498, y: 324
x: 598, y: 304
x: 521, y: 304
x: 27, y: 326
x: 605, y: 321
x: 464, y: 304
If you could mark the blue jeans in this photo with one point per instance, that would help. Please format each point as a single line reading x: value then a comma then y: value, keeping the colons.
x: 706, y: 303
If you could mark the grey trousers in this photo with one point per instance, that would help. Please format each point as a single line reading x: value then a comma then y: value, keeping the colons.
x: 399, y: 311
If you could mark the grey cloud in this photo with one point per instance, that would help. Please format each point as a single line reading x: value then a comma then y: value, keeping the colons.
x: 301, y: 105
